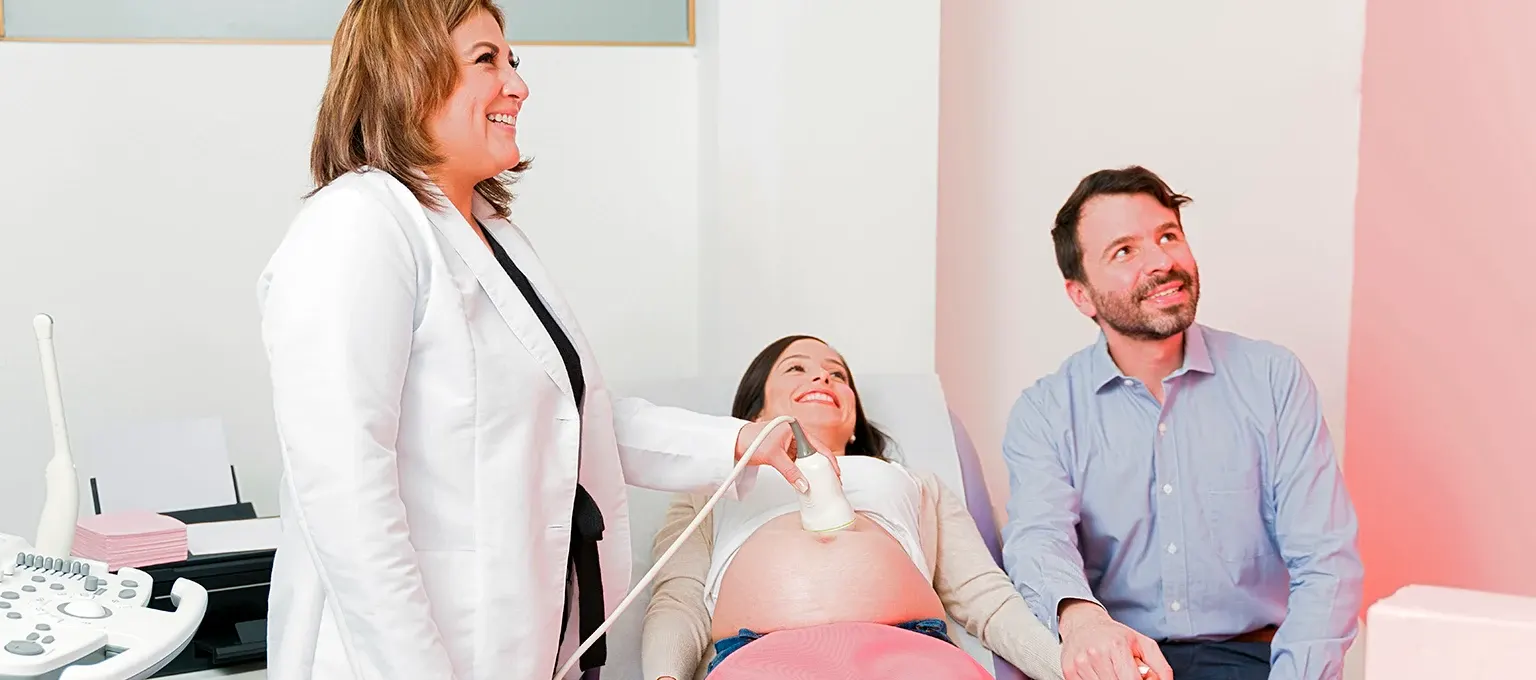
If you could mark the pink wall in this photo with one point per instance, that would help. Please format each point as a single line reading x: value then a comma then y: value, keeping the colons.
x: 1441, y: 438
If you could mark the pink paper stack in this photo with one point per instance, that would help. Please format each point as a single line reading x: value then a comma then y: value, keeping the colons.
x: 131, y: 538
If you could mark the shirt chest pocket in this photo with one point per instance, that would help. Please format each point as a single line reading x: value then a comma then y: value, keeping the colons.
x: 1231, y: 498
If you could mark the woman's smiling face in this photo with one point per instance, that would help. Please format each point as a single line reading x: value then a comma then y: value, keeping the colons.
x: 810, y: 382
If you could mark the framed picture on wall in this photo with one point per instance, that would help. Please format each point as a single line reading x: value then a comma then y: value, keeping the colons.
x: 529, y: 22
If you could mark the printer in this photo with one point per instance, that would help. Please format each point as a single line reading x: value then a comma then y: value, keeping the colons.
x: 234, y: 627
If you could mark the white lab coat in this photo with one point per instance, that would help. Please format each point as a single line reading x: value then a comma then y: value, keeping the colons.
x: 429, y: 447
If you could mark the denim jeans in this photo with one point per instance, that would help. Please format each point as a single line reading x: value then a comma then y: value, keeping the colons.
x: 1217, y: 660
x: 933, y: 628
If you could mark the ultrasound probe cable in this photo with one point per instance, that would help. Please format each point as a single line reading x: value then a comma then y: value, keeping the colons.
x: 746, y: 459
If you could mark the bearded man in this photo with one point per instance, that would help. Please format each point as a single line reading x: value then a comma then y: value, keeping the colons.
x: 1176, y: 505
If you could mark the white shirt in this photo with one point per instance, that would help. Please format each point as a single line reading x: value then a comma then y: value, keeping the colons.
x: 884, y: 491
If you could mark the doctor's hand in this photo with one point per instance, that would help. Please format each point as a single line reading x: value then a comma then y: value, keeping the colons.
x: 778, y: 450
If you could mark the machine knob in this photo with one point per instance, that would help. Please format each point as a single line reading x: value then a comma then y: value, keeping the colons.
x: 83, y: 609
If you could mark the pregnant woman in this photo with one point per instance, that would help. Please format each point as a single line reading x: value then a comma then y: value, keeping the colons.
x: 751, y: 587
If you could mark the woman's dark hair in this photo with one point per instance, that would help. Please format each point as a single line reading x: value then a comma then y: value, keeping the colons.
x: 868, y: 440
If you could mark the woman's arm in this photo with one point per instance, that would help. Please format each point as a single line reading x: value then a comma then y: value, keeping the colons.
x: 338, y: 307
x: 675, y: 631
x: 981, y: 598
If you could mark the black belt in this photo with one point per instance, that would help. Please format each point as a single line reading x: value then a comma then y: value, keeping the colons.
x: 586, y: 531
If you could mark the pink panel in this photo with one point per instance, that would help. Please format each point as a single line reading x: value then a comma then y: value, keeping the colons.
x: 1441, y: 440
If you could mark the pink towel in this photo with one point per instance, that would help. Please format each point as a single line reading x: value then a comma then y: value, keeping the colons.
x: 131, y: 522
x: 131, y: 538
x: 849, y: 651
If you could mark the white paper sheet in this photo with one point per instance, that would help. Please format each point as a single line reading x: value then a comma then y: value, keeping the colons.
x: 241, y: 535
x: 159, y: 466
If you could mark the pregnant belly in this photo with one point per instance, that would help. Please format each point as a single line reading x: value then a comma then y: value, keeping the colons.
x: 784, y: 577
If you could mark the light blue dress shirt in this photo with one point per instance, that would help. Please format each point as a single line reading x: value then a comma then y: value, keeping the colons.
x: 1218, y: 512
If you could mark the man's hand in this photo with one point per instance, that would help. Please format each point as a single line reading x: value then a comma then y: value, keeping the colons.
x: 1096, y: 647
x: 778, y: 451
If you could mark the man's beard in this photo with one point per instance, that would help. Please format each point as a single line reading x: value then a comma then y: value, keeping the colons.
x: 1125, y: 313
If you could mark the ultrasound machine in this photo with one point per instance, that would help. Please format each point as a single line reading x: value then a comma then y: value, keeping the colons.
x: 72, y: 619
x: 67, y: 618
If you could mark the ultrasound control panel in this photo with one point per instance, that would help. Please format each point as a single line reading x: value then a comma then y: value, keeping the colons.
x: 71, y: 619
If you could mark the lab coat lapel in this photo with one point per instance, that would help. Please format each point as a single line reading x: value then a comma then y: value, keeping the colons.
x: 504, y: 294
x: 520, y: 249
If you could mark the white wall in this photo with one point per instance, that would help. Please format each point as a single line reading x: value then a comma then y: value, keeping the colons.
x: 144, y: 186
x: 819, y: 178
x: 1250, y: 108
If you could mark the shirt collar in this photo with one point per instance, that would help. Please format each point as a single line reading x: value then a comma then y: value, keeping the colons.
x: 1197, y: 357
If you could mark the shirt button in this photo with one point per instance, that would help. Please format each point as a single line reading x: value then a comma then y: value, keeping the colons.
x: 1175, y: 606
x: 1172, y: 548
x: 1167, y: 488
x: 1129, y: 382
x: 1162, y: 427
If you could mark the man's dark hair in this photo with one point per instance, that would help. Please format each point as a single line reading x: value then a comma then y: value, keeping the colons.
x: 1130, y: 180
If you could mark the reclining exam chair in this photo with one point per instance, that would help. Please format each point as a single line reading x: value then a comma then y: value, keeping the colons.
x: 928, y: 436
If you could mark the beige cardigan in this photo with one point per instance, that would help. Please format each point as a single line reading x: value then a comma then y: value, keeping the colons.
x: 975, y: 592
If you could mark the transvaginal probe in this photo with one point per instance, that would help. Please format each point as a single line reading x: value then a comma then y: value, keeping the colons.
x: 746, y: 459
x: 56, y: 526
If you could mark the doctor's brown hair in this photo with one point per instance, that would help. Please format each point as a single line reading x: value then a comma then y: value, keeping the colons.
x: 868, y: 440
x: 392, y: 66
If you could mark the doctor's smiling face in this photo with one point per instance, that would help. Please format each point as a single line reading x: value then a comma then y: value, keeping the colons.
x: 427, y: 92
x: 475, y: 128
x: 802, y: 377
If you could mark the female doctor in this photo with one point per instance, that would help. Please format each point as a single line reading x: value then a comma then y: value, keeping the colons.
x: 451, y: 456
